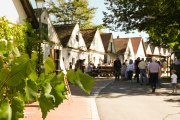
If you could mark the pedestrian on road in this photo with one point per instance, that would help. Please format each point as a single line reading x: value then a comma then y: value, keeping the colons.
x: 130, y: 69
x: 117, y: 68
x: 137, y: 71
x: 174, y: 81
x: 143, y: 67
x: 154, y: 72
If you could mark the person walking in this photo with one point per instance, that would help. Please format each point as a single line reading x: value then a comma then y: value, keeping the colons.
x: 130, y: 69
x: 117, y: 68
x: 174, y: 81
x: 143, y: 67
x: 154, y: 72
x: 137, y: 71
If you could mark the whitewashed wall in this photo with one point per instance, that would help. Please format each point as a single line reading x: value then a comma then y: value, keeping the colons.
x: 129, y: 53
x: 12, y: 10
x: 140, y: 52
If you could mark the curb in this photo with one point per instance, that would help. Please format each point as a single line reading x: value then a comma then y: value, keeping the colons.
x: 94, y: 110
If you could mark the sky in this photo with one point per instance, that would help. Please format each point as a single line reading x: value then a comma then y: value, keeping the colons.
x: 99, y: 4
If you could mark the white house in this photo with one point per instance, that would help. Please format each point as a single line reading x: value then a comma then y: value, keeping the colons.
x: 109, y: 47
x: 74, y: 47
x: 17, y: 11
x: 138, y: 47
x: 94, y: 45
x: 124, y: 49
x: 51, y: 44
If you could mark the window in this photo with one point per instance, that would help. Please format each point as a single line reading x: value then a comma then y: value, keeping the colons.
x: 44, y: 31
x: 77, y: 38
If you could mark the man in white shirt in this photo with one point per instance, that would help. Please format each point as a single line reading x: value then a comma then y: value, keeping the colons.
x: 154, y: 71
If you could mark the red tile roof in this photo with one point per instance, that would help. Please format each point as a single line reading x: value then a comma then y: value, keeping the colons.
x: 121, y: 45
x: 106, y: 37
x: 135, y: 43
x: 88, y: 36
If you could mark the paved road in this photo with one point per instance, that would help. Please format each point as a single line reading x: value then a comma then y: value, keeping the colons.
x: 130, y: 101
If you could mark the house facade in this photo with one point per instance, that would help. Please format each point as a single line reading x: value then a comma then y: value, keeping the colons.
x: 124, y: 49
x: 51, y: 44
x: 74, y: 47
x: 138, y: 47
x: 110, y: 53
x: 95, y: 47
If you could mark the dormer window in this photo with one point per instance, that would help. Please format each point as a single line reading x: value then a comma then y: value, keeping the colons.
x: 77, y: 38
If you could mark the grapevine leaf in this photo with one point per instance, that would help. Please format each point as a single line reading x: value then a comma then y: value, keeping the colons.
x: 49, y: 65
x: 59, y: 93
x: 33, y: 76
x: 34, y: 56
x: 4, y: 73
x: 57, y: 79
x: 87, y: 82
x: 21, y: 68
x: 31, y: 91
x: 71, y: 75
x: 46, y: 104
x: 17, y: 108
x: 1, y: 62
x: 5, y: 110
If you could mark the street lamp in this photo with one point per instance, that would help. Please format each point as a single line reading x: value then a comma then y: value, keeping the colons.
x: 39, y: 4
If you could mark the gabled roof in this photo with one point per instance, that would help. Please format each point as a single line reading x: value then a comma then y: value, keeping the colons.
x: 64, y: 32
x: 30, y: 13
x: 135, y: 43
x: 121, y: 45
x: 106, y: 37
x: 88, y: 35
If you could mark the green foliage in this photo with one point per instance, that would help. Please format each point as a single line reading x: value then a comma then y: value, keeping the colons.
x: 71, y: 12
x: 19, y: 82
x: 5, y: 110
x: 159, y: 18
x: 84, y: 81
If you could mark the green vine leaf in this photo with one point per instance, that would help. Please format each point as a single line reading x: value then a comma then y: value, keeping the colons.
x: 57, y: 79
x: 87, y: 82
x: 46, y: 104
x: 31, y: 91
x: 49, y: 65
x: 21, y: 68
x: 71, y: 75
x: 59, y: 93
x: 17, y: 108
x: 5, y: 110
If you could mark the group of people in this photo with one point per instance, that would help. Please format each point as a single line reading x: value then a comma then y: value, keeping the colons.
x: 149, y: 72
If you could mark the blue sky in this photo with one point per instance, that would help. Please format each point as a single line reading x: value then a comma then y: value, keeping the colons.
x: 99, y: 4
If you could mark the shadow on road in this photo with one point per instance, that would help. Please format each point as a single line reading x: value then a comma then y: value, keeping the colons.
x: 131, y: 88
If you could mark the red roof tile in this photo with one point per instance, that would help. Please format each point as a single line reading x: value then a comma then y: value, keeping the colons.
x: 106, y: 37
x: 121, y: 45
x: 135, y: 43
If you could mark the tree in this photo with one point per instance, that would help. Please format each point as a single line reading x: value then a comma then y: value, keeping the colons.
x: 71, y: 12
x: 159, y: 18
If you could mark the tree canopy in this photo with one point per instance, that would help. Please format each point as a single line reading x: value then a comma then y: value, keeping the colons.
x: 159, y: 18
x: 71, y: 12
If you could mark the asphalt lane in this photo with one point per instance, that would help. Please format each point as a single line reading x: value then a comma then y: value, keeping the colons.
x: 125, y: 100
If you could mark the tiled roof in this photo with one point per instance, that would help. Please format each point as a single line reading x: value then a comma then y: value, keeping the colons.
x: 88, y: 35
x: 106, y: 37
x: 121, y: 45
x: 64, y: 33
x: 135, y: 43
